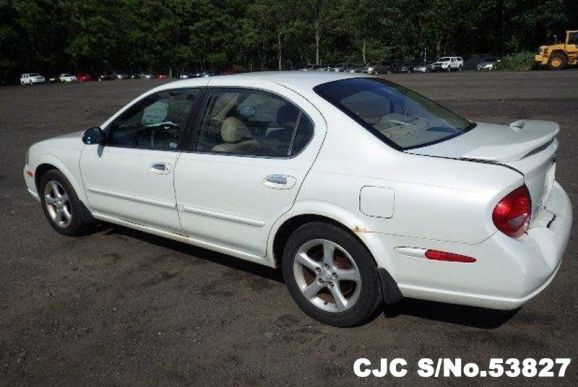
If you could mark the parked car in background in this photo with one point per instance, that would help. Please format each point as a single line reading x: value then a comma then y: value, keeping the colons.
x: 185, y: 75
x: 326, y: 67
x: 311, y: 67
x: 66, y: 77
x: 401, y: 67
x: 31, y: 79
x: 119, y: 75
x: 427, y: 204
x: 448, y: 63
x: 471, y: 61
x: 354, y: 68
x: 421, y: 68
x: 145, y: 75
x: 378, y: 68
x: 161, y: 76
x: 338, y: 68
x: 84, y: 77
x: 53, y: 79
x: 105, y: 77
x: 488, y: 64
x: 204, y: 74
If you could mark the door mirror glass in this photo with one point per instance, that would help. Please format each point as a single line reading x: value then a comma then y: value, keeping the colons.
x: 93, y: 136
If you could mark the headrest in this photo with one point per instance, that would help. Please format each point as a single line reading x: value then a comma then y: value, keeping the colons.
x: 234, y: 130
x: 287, y: 116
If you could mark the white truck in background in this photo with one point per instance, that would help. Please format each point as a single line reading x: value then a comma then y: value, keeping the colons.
x: 448, y: 63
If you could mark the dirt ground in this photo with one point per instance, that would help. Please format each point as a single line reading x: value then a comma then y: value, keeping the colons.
x: 119, y: 307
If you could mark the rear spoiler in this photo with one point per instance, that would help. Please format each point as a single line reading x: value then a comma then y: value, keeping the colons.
x: 527, y: 135
x: 531, y: 124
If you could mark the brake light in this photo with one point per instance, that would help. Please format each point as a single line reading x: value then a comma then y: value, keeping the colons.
x: 437, y: 255
x: 512, y: 214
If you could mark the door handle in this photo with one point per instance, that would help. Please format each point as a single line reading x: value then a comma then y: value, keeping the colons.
x: 160, y: 168
x: 277, y: 181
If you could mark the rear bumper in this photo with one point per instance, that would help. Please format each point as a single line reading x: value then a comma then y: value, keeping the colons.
x: 508, y: 272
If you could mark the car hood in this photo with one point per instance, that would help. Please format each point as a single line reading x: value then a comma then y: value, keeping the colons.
x: 527, y: 146
x: 73, y: 135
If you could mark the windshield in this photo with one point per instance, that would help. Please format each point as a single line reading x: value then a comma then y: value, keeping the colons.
x: 396, y: 115
x: 444, y: 60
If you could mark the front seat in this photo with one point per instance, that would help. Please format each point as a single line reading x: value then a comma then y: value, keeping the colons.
x: 236, y: 137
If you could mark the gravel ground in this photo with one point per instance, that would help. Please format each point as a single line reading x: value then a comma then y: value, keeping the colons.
x: 120, y: 307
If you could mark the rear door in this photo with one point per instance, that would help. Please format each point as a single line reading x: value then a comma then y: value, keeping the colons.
x: 250, y: 154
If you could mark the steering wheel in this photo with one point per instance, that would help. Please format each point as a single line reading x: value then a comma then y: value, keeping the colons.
x: 163, y: 131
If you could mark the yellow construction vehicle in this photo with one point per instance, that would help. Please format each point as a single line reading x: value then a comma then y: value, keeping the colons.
x: 558, y: 56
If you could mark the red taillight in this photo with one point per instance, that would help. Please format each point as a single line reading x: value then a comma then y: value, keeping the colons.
x: 437, y: 255
x: 512, y: 214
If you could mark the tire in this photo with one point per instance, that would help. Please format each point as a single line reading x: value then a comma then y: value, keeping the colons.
x: 312, y: 279
x: 557, y: 61
x: 63, y: 209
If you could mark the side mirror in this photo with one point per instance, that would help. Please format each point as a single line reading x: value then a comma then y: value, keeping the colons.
x: 93, y: 136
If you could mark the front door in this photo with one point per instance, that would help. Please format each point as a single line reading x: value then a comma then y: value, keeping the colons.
x: 131, y: 176
x: 250, y: 155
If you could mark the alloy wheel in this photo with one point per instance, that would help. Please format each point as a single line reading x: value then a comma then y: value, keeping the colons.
x: 327, y: 275
x: 57, y: 204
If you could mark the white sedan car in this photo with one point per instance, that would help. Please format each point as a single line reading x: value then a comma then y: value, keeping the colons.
x: 31, y: 78
x: 362, y: 191
x: 64, y: 77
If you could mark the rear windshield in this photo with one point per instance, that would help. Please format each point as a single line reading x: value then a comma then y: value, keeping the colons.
x: 398, y: 116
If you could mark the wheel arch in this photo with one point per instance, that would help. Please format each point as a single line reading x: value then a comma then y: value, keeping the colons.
x: 50, y: 162
x: 324, y: 212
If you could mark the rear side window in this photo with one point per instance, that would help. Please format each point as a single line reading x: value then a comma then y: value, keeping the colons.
x: 394, y: 114
x: 252, y: 123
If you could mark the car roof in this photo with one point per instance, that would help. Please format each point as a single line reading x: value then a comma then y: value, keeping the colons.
x: 297, y: 80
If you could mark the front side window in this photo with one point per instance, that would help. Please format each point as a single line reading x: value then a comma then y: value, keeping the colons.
x: 252, y: 123
x: 156, y: 122
x: 396, y: 115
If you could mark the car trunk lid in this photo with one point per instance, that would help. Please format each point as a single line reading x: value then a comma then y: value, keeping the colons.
x: 528, y: 146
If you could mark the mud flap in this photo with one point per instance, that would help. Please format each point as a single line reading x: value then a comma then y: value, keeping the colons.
x: 389, y: 289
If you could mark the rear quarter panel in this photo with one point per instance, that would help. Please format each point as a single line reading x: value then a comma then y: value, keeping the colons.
x: 435, y: 198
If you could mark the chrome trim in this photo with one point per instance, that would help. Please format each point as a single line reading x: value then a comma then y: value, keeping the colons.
x: 120, y: 195
x: 221, y: 216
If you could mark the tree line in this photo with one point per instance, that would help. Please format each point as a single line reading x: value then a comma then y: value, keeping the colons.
x: 103, y: 35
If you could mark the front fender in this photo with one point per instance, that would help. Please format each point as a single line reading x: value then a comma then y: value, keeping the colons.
x: 72, y: 174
